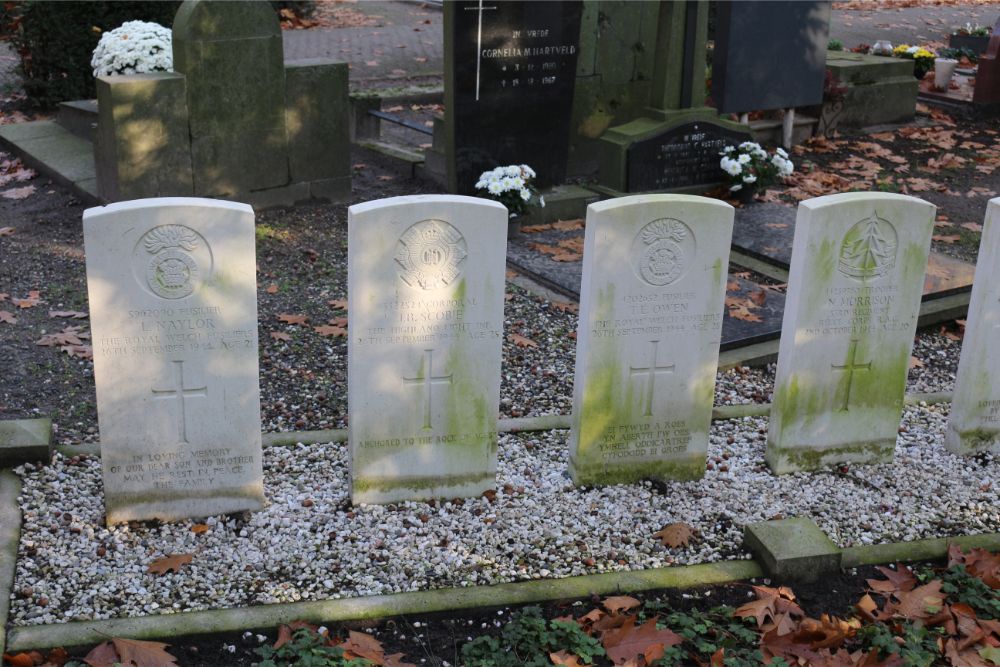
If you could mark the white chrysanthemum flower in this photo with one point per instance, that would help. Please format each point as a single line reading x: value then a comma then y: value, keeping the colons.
x: 734, y: 188
x: 749, y: 178
x: 481, y: 183
x: 507, y: 184
x: 513, y: 170
x: 525, y: 194
x: 781, y: 151
x: 744, y: 158
x: 749, y: 146
x: 135, y: 46
x: 499, y: 172
x: 541, y: 202
x: 485, y: 176
x: 495, y: 188
x: 527, y: 171
x: 731, y: 166
x: 759, y: 153
x: 517, y: 182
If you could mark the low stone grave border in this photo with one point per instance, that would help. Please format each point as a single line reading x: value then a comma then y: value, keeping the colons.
x: 263, y: 617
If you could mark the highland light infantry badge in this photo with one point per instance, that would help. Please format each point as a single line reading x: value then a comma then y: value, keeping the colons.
x: 429, y: 254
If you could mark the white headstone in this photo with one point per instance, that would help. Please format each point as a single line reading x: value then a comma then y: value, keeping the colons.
x: 425, y: 310
x: 854, y: 288
x: 975, y: 408
x: 651, y: 304
x: 173, y: 310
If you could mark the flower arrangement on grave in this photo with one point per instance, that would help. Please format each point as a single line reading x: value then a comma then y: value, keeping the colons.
x: 923, y: 59
x: 750, y: 167
x: 973, y: 30
x: 133, y: 47
x: 511, y: 186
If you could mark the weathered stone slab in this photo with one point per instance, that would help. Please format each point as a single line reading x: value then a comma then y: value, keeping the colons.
x: 24, y: 440
x: 231, y: 56
x: 425, y: 293
x: 316, y: 117
x: 651, y: 304
x: 173, y: 310
x: 793, y: 549
x: 854, y: 287
x: 142, y: 147
x: 975, y: 408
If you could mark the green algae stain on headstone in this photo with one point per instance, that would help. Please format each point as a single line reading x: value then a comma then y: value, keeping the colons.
x: 851, y: 312
x: 648, y: 338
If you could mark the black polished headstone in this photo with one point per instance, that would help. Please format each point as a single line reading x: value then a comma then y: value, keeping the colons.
x: 514, y: 67
x: 682, y: 156
x: 769, y: 54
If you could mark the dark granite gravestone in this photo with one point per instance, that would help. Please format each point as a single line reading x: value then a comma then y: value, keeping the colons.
x: 682, y: 156
x: 769, y: 55
x: 513, y: 68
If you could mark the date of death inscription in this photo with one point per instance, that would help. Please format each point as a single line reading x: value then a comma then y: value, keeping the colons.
x: 171, y: 331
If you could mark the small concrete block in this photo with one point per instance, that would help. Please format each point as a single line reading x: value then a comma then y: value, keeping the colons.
x: 24, y: 441
x: 792, y: 549
x: 316, y: 120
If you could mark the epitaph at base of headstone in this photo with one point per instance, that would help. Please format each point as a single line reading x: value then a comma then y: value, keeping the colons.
x: 651, y: 302
x: 425, y: 295
x: 173, y: 310
x: 854, y: 288
x: 974, y: 425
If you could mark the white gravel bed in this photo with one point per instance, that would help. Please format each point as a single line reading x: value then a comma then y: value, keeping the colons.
x: 310, y: 544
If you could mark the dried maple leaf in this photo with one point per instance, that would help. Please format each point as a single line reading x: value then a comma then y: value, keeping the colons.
x: 946, y: 238
x: 339, y: 304
x: 674, y: 535
x: 30, y: 301
x: 73, y: 314
x: 143, y: 653
x: 535, y: 229
x: 363, y: 645
x: 521, y: 341
x: 567, y: 257
x: 199, y: 528
x: 616, y: 604
x: 396, y: 660
x: 280, y: 335
x: 915, y: 363
x: 920, y: 603
x: 172, y: 562
x: 338, y: 321
x: 899, y: 580
x: 759, y: 297
x: 102, y: 655
x: 271, y: 289
x: 972, y: 226
x: 30, y: 659
x: 565, y: 306
x: 566, y: 659
x: 979, y: 563
x: 6, y: 231
x: 293, y: 319
x: 7, y: 316
x: 629, y: 642
x: 568, y: 225
x: 18, y: 193
x: 66, y: 337
x: 328, y: 330
x: 78, y: 351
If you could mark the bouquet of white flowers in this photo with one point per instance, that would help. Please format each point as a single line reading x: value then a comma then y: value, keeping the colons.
x: 133, y: 47
x: 511, y: 186
x: 749, y: 166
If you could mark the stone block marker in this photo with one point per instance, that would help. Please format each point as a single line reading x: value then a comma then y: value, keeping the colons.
x: 425, y: 309
x: 651, y: 304
x: 24, y: 440
x: 792, y: 549
x: 975, y: 408
x: 173, y: 311
x: 854, y: 288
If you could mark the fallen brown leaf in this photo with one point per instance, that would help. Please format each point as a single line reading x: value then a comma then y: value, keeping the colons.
x: 293, y: 319
x: 173, y: 562
x: 674, y: 535
x: 280, y: 335
x: 521, y: 341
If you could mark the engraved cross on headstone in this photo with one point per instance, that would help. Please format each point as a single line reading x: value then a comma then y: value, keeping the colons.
x: 479, y: 40
x: 850, y: 367
x: 180, y: 392
x: 428, y: 381
x: 650, y: 370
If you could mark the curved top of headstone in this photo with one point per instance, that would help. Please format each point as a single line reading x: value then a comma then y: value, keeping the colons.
x: 208, y: 20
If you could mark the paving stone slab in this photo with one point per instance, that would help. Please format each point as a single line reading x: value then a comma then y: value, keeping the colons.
x: 792, y: 549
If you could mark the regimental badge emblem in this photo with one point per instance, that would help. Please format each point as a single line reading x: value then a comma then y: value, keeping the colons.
x: 869, y: 248
x: 430, y: 254
x: 662, y: 251
x: 175, y: 260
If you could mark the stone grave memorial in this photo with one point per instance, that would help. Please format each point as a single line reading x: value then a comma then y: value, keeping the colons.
x: 975, y: 409
x: 426, y: 295
x: 857, y: 273
x: 233, y: 121
x: 654, y: 282
x: 510, y: 69
x: 173, y: 314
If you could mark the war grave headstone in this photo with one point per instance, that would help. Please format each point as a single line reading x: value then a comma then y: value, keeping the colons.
x: 670, y: 143
x: 426, y: 294
x: 173, y: 311
x: 974, y: 425
x: 654, y: 283
x: 233, y: 120
x: 858, y: 262
x: 510, y: 69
